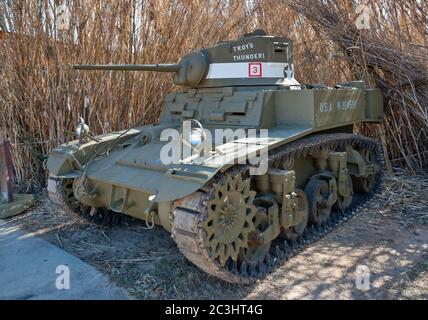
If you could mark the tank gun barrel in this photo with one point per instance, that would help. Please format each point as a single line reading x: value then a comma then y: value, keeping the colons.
x: 190, y: 71
x: 129, y: 67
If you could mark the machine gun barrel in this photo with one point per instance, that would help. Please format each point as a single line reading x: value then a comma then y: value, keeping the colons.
x: 130, y: 67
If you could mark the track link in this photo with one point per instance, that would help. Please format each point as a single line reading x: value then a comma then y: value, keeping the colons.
x: 189, y: 213
x: 61, y: 194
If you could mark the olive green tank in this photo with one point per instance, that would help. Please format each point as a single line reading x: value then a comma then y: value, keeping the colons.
x: 246, y: 166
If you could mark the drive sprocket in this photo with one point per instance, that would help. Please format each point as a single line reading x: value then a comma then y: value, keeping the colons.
x: 230, y: 218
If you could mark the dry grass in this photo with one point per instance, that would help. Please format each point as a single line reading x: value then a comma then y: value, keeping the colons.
x: 405, y: 193
x: 393, y: 55
x: 41, y: 97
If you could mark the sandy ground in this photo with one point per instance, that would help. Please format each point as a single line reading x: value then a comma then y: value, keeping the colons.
x: 388, y: 239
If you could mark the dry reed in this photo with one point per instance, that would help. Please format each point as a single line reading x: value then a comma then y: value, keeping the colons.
x: 41, y: 96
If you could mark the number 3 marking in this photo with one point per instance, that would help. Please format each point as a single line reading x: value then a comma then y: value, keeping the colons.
x: 254, y: 70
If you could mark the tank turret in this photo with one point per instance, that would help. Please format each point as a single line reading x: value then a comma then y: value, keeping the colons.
x: 253, y: 59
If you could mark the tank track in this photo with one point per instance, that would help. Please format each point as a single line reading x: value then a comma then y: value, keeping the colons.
x: 188, y: 213
x: 61, y: 194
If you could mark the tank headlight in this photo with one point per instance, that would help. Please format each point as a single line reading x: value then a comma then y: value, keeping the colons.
x: 196, y: 137
x: 82, y: 127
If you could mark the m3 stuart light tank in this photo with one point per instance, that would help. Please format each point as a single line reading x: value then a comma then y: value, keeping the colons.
x: 230, y: 221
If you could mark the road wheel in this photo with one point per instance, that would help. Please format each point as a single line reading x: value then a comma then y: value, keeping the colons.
x: 318, y: 193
